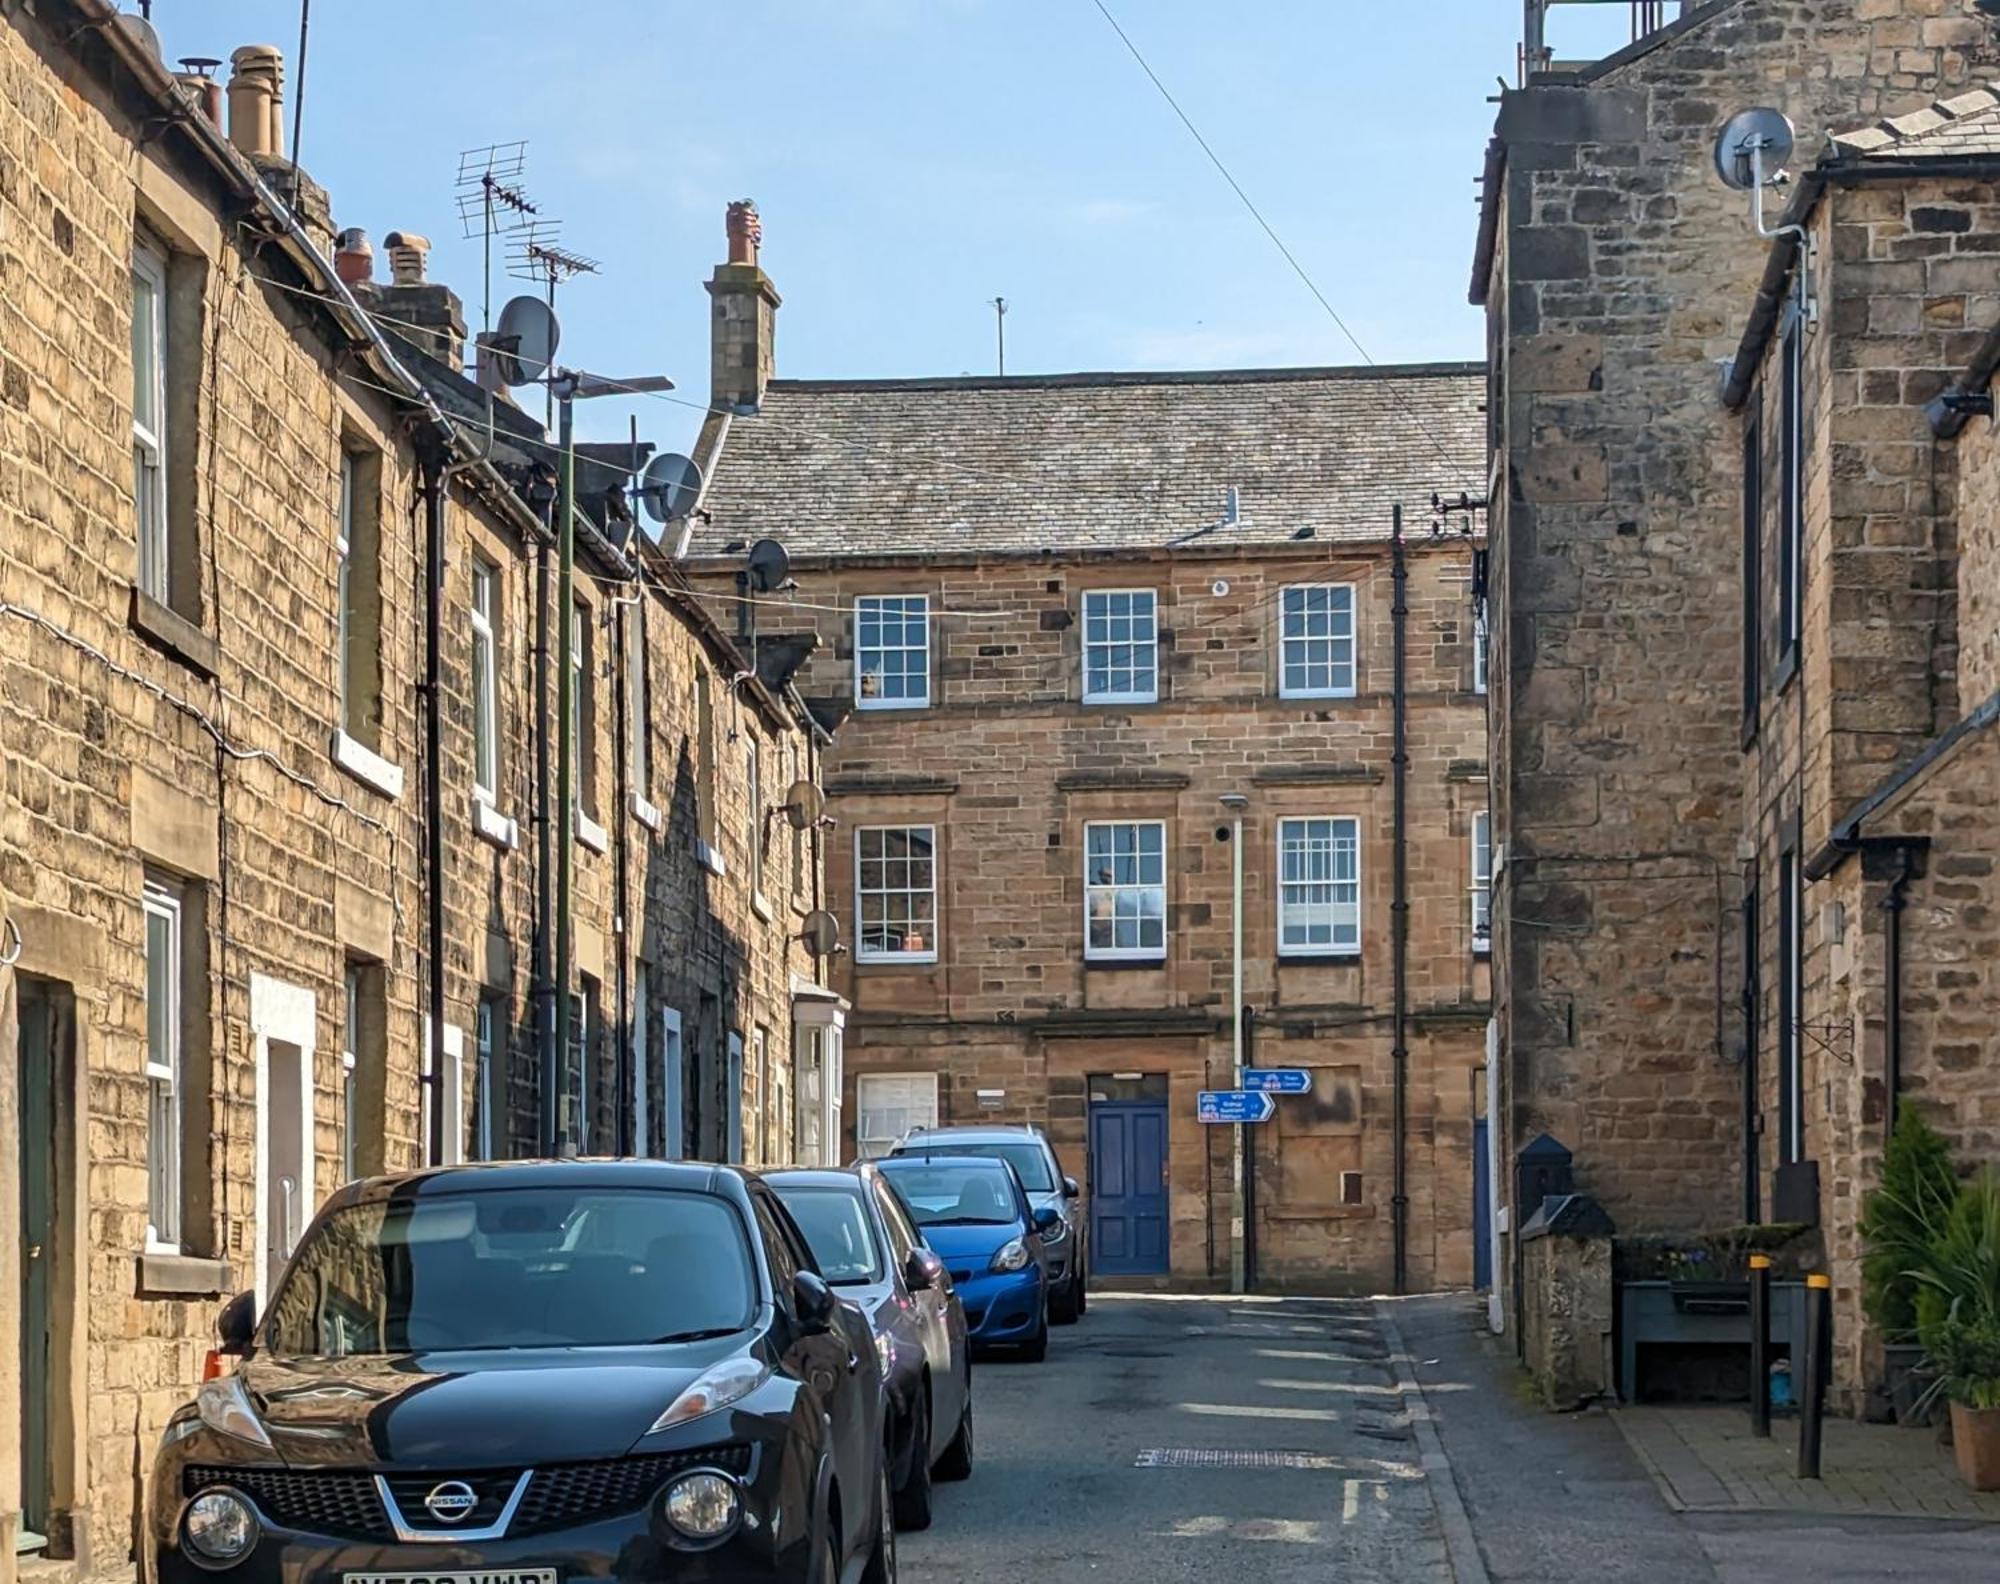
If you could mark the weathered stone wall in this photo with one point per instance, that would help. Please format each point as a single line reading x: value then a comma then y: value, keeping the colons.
x: 200, y: 747
x: 1008, y: 767
x: 1566, y: 1317
x: 1621, y: 278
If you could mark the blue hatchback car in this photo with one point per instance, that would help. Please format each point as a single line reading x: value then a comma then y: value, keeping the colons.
x: 975, y: 1216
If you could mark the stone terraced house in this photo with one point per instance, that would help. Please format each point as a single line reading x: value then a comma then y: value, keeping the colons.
x: 1682, y: 720
x: 220, y: 448
x: 1065, y: 618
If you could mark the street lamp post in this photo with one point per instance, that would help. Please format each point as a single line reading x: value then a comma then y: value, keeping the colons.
x: 1236, y: 803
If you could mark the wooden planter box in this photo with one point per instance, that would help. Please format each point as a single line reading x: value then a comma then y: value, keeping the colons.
x: 1975, y: 1443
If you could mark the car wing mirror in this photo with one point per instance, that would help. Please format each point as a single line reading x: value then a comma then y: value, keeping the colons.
x: 813, y: 1302
x: 1070, y: 1189
x: 1047, y: 1218
x: 924, y: 1271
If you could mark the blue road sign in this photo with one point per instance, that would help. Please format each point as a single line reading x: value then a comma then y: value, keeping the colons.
x: 1236, y: 1105
x: 1278, y: 1080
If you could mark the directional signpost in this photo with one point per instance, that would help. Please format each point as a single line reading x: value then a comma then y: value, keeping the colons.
x: 1278, y: 1080
x: 1229, y: 1106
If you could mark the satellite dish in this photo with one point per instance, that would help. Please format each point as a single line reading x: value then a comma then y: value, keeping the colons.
x: 804, y: 804
x: 821, y: 933
x: 669, y: 487
x: 524, y: 346
x: 1755, y: 140
x: 770, y: 565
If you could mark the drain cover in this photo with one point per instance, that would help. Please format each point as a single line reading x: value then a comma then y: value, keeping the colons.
x: 1204, y: 1458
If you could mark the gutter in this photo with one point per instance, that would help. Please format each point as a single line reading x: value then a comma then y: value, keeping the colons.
x: 1488, y: 243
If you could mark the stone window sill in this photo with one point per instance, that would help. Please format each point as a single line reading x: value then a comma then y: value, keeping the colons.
x: 493, y: 826
x: 761, y: 906
x: 163, y: 1273
x: 366, y: 765
x: 709, y: 858
x: 591, y: 834
x: 167, y: 629
x: 646, y: 812
x: 893, y: 960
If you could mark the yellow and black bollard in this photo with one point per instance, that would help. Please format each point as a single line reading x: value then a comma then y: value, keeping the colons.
x: 1818, y: 1371
x: 1760, y: 1344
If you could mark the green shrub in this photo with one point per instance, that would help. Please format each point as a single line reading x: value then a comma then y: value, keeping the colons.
x: 1966, y: 1355
x: 1901, y: 1221
x: 1959, y: 1281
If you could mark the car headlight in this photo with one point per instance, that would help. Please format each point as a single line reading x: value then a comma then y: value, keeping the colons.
x: 1013, y: 1256
x: 730, y: 1381
x: 219, y: 1527
x: 1056, y: 1233
x: 701, y: 1506
x: 225, y: 1408
x: 885, y: 1351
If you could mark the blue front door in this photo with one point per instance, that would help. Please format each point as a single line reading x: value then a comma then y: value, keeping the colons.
x: 1128, y: 1188
x: 1482, y: 1209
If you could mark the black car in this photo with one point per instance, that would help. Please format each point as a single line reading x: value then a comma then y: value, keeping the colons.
x: 536, y: 1374
x: 872, y: 1254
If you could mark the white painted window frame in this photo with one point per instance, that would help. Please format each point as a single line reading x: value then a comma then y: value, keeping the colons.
x: 1341, y: 662
x: 486, y: 1066
x: 733, y: 1088
x: 1481, y: 838
x: 1093, y: 887
x: 878, y: 607
x: 149, y: 443
x: 862, y: 951
x: 163, y: 899
x: 350, y: 1090
x: 1150, y: 646
x: 343, y: 596
x: 454, y: 1094
x: 918, y: 1108
x: 1481, y: 636
x: 485, y: 597
x: 1345, y: 833
x: 673, y: 1100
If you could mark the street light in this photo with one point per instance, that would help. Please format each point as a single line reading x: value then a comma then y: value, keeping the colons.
x: 1236, y: 803
x: 569, y: 386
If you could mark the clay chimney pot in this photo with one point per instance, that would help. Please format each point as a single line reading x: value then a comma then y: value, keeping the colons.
x: 353, y: 258
x: 256, y: 100
x: 746, y: 231
x: 407, y: 253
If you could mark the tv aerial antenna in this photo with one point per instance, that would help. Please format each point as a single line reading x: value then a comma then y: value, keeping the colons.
x: 493, y: 202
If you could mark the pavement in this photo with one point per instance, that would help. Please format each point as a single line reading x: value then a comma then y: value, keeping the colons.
x: 1192, y: 1438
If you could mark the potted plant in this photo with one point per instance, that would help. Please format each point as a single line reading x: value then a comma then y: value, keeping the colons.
x: 1900, y: 1222
x: 1958, y: 1317
x: 1965, y: 1352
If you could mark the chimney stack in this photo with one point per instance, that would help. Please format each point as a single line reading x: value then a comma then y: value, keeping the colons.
x: 257, y: 101
x: 353, y: 258
x: 197, y: 80
x: 423, y: 311
x: 741, y: 355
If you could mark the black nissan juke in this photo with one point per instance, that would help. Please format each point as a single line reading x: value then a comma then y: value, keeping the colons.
x: 531, y: 1374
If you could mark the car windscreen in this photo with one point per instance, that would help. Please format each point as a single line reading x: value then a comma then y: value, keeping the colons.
x: 515, y: 1268
x: 835, y: 1223
x: 1029, y: 1159
x: 952, y: 1195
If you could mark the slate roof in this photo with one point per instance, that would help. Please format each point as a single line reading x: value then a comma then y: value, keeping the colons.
x: 1967, y: 126
x: 1094, y: 461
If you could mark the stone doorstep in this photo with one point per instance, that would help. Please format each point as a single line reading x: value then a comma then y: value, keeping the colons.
x: 1706, y: 1461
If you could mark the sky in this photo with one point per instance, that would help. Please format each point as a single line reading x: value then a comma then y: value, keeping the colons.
x: 914, y: 159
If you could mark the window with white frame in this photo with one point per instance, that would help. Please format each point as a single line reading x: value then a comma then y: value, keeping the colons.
x: 1482, y: 881
x: 889, y: 1105
x: 573, y: 1103
x: 149, y: 417
x: 485, y: 682
x: 1121, y: 646
x: 638, y: 705
x: 343, y: 589
x: 892, y: 651
x: 895, y: 890
x: 1316, y: 641
x: 733, y: 1087
x: 486, y: 1078
x: 1480, y: 637
x: 673, y: 1121
x: 164, y: 968
x: 1319, y: 886
x: 350, y: 1089
x: 759, y: 825
x: 1125, y: 889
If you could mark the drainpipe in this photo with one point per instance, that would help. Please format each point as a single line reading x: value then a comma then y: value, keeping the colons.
x: 1399, y: 907
x: 1894, y: 904
x: 544, y: 996
x: 621, y: 1045
x: 431, y: 461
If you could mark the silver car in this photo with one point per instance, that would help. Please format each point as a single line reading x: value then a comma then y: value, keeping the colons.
x: 1027, y: 1150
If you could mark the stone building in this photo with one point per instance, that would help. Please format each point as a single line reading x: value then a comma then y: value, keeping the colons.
x: 1616, y: 270
x: 1871, y: 669
x: 217, y: 790
x: 1066, y: 618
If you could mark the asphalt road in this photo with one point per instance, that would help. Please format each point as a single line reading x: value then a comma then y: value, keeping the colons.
x: 1069, y: 1485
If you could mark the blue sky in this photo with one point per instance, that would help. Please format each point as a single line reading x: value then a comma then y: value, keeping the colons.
x: 915, y: 158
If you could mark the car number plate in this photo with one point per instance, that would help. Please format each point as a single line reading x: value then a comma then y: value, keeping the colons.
x: 458, y: 1576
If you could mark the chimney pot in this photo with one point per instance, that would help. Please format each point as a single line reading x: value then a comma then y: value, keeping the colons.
x: 746, y: 231
x: 256, y: 100
x: 407, y: 253
x: 197, y: 80
x: 353, y: 258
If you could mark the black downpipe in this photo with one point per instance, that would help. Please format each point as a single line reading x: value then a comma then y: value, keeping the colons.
x: 621, y: 1045
x: 1894, y: 905
x: 1753, y: 1187
x: 432, y: 465
x: 1399, y: 907
x: 1249, y: 1171
x: 544, y: 996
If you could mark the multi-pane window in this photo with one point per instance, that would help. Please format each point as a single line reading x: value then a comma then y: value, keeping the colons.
x: 892, y: 651
x: 163, y: 1061
x: 889, y: 1106
x: 1791, y: 535
x: 1482, y: 881
x: 149, y: 417
x: 574, y: 1101
x: 1319, y: 886
x: 895, y: 887
x: 1125, y: 889
x: 1481, y: 636
x: 1753, y: 563
x: 1121, y: 647
x: 755, y: 815
x: 485, y: 682
x: 350, y: 1091
x: 1316, y: 641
